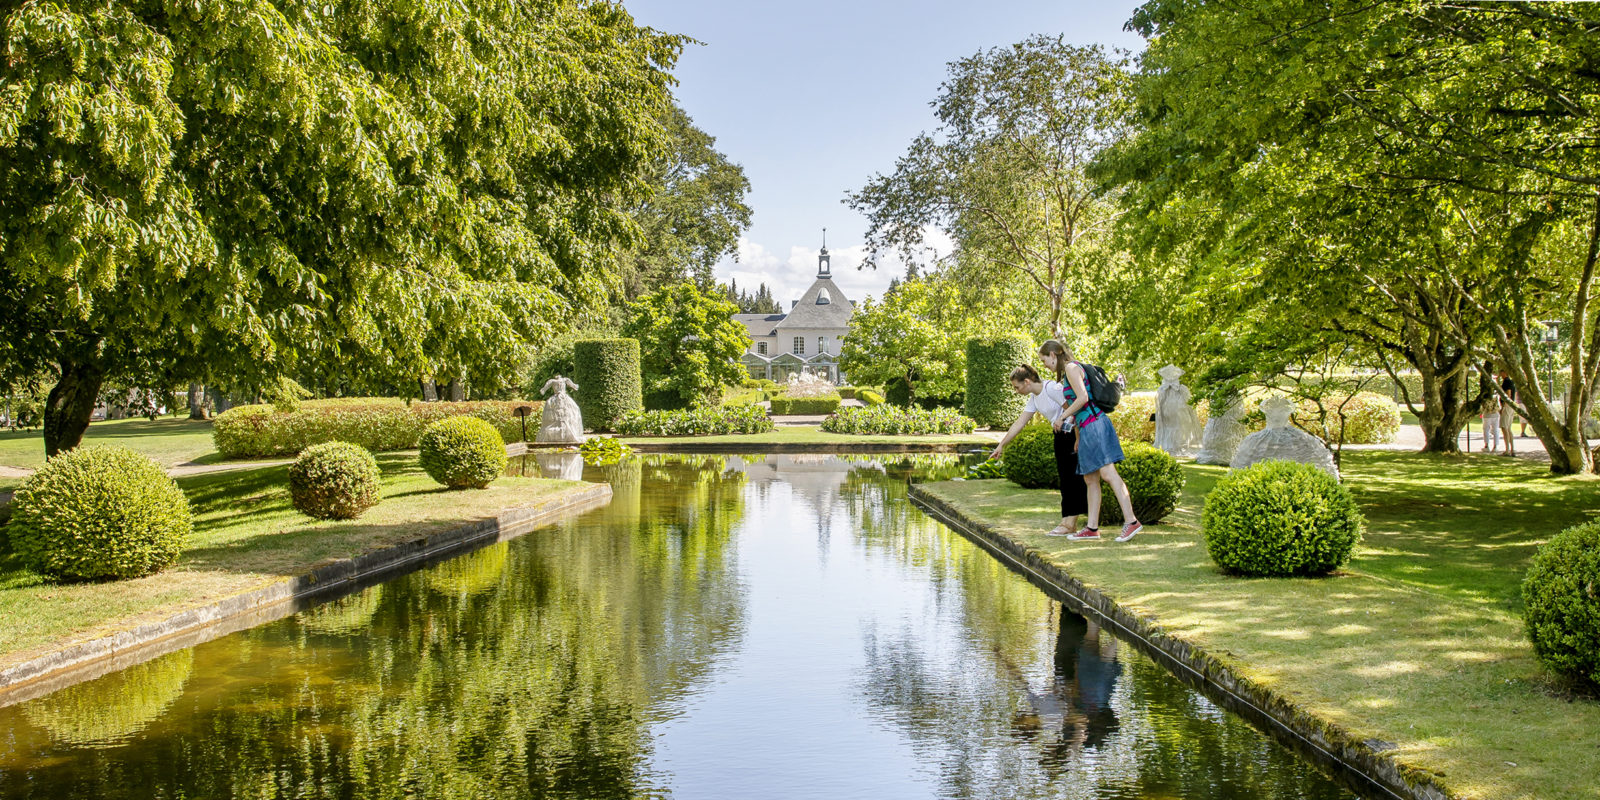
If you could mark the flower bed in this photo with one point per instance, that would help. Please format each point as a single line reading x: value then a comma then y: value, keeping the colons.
x: 377, y: 423
x: 696, y: 421
x: 888, y: 419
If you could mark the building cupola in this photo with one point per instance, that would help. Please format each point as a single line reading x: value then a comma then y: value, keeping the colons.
x: 824, y: 268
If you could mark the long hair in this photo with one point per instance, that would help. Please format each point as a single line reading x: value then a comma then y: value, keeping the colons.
x: 1062, y: 353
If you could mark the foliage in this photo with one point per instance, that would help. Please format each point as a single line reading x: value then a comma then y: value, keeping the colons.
x: 870, y: 397
x: 375, y: 423
x: 1030, y: 458
x: 608, y: 377
x: 990, y: 360
x: 988, y: 468
x: 335, y: 480
x: 762, y: 302
x: 1154, y: 480
x: 888, y: 419
x: 690, y: 341
x: 473, y: 573
x: 99, y: 512
x: 106, y: 711
x: 821, y: 404
x: 603, y: 451
x: 1561, y: 605
x: 555, y: 358
x: 1132, y: 418
x: 914, y: 337
x: 462, y: 452
x: 1364, y: 418
x: 1280, y: 518
x: 712, y: 421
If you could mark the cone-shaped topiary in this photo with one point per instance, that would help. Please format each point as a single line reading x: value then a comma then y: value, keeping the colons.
x: 463, y: 452
x: 99, y: 512
x: 1561, y: 599
x: 1280, y: 518
x: 337, y: 480
x: 989, y: 398
x: 1154, y: 479
x: 1030, y: 458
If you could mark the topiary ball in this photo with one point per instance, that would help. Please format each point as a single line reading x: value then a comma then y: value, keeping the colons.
x: 1561, y: 599
x: 99, y: 512
x: 336, y: 480
x: 463, y: 452
x: 1154, y: 479
x: 1280, y: 518
x: 1030, y: 458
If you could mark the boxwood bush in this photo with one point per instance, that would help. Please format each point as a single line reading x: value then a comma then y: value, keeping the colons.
x: 463, y: 452
x: 99, y: 512
x: 335, y: 480
x: 989, y: 398
x: 712, y: 421
x: 1561, y: 603
x: 1154, y: 479
x: 607, y: 373
x: 827, y: 404
x: 1369, y: 418
x: 1030, y: 458
x: 887, y: 419
x: 378, y: 424
x: 870, y: 397
x: 1280, y: 518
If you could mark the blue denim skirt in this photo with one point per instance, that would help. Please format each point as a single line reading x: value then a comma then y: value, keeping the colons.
x: 1097, y: 445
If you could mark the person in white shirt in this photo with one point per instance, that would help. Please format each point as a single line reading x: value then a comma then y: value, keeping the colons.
x: 1045, y: 398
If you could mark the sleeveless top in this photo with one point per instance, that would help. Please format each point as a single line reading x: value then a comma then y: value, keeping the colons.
x: 1089, y: 413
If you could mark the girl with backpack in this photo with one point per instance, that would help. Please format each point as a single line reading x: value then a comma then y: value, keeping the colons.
x: 1099, y: 450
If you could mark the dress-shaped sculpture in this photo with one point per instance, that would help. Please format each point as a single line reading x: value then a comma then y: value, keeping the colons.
x: 562, y: 421
x: 1177, y: 424
x: 1282, y: 442
x: 1222, y: 435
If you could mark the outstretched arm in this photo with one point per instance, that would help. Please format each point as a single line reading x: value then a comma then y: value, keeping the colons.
x: 1016, y: 428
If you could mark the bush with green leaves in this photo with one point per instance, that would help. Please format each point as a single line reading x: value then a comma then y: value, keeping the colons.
x: 378, y: 424
x: 1561, y: 603
x: 1368, y: 418
x: 985, y: 470
x: 603, y: 451
x: 870, y: 397
x: 1132, y: 418
x: 1154, y: 480
x: 99, y: 512
x: 897, y: 392
x: 784, y: 404
x: 990, y: 360
x: 894, y: 420
x: 607, y: 373
x: 714, y: 421
x: 1280, y: 518
x: 463, y: 452
x: 335, y: 480
x: 1030, y: 458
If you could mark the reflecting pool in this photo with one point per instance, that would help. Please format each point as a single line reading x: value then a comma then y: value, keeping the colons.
x: 781, y: 626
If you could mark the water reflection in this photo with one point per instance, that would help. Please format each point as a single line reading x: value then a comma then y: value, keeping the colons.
x: 729, y: 626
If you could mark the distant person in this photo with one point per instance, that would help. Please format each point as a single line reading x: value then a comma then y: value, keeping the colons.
x: 1508, y: 411
x: 1098, y: 447
x: 1491, y: 425
x: 1046, y: 399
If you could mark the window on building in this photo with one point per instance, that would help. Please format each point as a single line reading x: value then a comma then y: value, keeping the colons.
x: 799, y: 345
x: 761, y: 347
x: 822, y: 344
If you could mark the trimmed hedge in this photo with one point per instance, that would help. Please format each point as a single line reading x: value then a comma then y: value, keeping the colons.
x: 989, y: 399
x: 1030, y: 458
x: 1280, y: 518
x: 1369, y: 418
x: 610, y: 385
x: 1561, y: 599
x: 886, y: 419
x: 335, y: 480
x: 827, y: 404
x: 378, y: 424
x: 99, y: 512
x: 870, y: 397
x: 463, y: 452
x: 712, y: 421
x: 1154, y: 479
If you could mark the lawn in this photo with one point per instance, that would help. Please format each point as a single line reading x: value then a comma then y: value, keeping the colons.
x: 812, y: 434
x: 1419, y: 642
x: 246, y: 534
x: 170, y: 441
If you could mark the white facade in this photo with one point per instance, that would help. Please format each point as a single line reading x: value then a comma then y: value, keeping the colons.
x: 808, y: 338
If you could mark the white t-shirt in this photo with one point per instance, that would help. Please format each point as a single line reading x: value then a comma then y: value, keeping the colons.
x: 1048, y: 402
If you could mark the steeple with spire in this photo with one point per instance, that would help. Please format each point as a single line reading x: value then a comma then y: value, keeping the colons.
x: 824, y: 268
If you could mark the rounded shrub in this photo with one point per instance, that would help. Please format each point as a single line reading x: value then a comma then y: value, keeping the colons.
x: 1561, y: 599
x: 463, y: 452
x: 1154, y: 479
x: 99, y: 512
x: 607, y: 370
x: 1280, y: 518
x: 1030, y: 458
x: 989, y: 398
x: 337, y: 480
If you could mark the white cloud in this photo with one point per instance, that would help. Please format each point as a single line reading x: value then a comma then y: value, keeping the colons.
x: 789, y: 277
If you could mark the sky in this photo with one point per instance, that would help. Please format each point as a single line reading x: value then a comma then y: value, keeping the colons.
x: 813, y: 99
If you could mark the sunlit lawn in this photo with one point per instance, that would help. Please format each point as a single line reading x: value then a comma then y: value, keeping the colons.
x: 170, y: 441
x: 812, y: 434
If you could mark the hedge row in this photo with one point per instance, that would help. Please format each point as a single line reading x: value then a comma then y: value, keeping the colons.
x: 826, y: 404
x: 1371, y: 418
x: 375, y: 423
x: 710, y: 421
x: 609, y: 381
x: 887, y: 419
x: 990, y: 400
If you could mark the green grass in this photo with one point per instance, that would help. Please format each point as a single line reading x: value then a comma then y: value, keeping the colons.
x: 246, y: 534
x: 812, y: 434
x: 167, y: 440
x: 1418, y: 642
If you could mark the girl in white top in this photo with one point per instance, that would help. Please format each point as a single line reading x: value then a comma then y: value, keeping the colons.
x: 1045, y: 398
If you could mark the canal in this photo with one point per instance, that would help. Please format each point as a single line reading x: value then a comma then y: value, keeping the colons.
x: 728, y: 627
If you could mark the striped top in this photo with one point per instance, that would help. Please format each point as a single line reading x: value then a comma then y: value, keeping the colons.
x: 1089, y: 413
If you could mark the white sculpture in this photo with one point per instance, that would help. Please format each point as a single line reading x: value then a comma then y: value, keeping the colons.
x: 564, y: 466
x: 562, y: 421
x: 1177, y: 424
x: 1283, y: 443
x: 1222, y: 435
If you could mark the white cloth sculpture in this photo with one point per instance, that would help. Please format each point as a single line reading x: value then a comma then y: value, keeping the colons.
x: 562, y: 421
x: 1223, y: 434
x: 1177, y: 424
x: 564, y: 466
x: 1283, y: 443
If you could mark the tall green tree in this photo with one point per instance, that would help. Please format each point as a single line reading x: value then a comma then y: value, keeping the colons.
x: 917, y: 334
x: 689, y: 344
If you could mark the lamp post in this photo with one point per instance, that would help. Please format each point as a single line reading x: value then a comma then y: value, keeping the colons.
x: 1552, y: 334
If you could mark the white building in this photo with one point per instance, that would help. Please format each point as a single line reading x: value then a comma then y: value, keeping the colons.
x: 807, y: 338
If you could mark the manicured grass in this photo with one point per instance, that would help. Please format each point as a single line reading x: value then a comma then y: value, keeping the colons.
x: 812, y: 434
x: 1419, y: 642
x: 246, y: 534
x: 168, y: 440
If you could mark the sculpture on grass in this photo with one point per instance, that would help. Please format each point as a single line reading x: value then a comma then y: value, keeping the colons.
x: 1281, y: 442
x: 1177, y: 424
x: 562, y: 422
x: 1223, y: 434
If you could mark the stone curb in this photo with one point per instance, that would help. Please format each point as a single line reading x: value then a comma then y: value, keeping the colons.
x: 820, y: 448
x: 278, y: 599
x: 1354, y: 762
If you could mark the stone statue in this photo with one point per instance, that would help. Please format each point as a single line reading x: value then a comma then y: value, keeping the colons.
x: 1222, y: 435
x: 1282, y: 442
x: 1177, y: 424
x: 562, y: 421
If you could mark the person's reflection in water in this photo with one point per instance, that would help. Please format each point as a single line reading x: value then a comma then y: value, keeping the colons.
x: 1086, y: 672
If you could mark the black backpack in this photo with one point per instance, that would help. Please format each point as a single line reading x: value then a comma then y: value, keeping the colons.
x: 1103, y: 392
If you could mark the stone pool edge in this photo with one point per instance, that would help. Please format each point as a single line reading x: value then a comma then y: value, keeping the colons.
x: 255, y: 605
x: 1314, y: 737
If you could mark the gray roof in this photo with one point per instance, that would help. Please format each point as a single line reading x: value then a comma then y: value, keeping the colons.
x: 834, y: 312
x: 759, y: 325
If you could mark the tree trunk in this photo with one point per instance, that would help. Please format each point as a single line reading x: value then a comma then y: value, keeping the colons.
x: 458, y: 390
x: 220, y: 401
x: 197, y: 401
x: 430, y: 392
x: 71, y: 401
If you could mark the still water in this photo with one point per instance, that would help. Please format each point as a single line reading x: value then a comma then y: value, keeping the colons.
x: 728, y: 627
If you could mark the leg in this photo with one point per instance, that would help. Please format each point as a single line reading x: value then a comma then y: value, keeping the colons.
x: 1092, y: 490
x: 1074, y: 499
x: 1120, y: 489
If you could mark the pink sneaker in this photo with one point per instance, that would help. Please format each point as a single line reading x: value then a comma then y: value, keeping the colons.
x: 1129, y: 531
x: 1086, y: 535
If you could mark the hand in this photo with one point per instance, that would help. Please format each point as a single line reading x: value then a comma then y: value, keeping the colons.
x: 1056, y: 424
x: 995, y: 454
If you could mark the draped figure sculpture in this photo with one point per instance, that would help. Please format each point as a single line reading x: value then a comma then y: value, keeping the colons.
x: 562, y: 422
x: 1177, y: 423
x: 1283, y: 443
x: 1224, y: 431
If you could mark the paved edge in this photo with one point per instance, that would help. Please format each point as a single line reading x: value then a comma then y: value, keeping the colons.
x: 1353, y: 761
x: 781, y: 448
x: 278, y: 599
